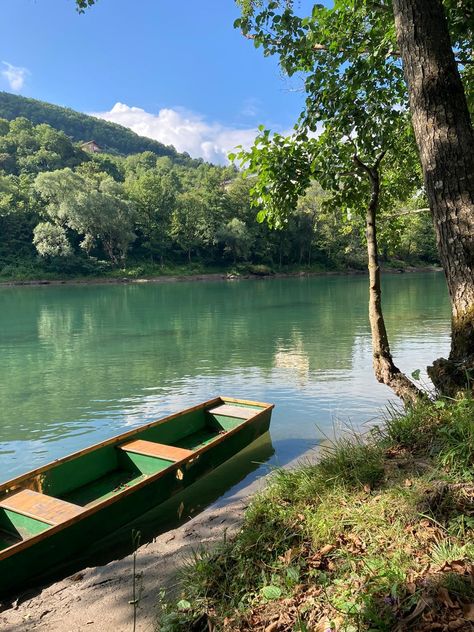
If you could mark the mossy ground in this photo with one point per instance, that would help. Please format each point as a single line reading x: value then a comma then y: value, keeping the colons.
x: 379, y: 535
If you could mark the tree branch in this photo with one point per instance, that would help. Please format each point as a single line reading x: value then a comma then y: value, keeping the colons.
x: 408, y: 212
x: 371, y: 171
x: 324, y: 48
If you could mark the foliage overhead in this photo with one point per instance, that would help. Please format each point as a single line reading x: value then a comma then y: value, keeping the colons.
x: 355, y: 111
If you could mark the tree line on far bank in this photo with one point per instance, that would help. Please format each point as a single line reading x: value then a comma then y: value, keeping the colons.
x: 76, y: 212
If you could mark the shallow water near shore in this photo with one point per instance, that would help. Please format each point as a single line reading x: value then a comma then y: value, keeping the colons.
x: 83, y: 363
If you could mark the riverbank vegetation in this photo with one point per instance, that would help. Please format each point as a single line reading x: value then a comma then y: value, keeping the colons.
x: 378, y: 535
x: 66, y: 212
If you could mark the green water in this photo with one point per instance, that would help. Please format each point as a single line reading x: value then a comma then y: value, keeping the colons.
x: 82, y: 363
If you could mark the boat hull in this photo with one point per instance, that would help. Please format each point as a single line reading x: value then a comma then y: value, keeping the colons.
x: 63, y: 543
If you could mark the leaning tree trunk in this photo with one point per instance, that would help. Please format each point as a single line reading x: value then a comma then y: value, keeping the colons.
x: 385, y: 369
x: 445, y: 138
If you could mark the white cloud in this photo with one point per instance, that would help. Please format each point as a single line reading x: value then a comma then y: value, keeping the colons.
x: 15, y: 75
x: 185, y: 130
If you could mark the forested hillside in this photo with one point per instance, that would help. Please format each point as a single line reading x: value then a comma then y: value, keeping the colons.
x: 64, y: 211
x: 81, y: 127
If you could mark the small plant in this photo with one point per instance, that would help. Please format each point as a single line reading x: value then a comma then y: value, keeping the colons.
x: 450, y: 551
x: 459, y: 586
x: 456, y: 436
x: 136, y: 589
x: 353, y: 461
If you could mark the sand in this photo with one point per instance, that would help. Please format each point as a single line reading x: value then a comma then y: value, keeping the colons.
x: 98, y: 599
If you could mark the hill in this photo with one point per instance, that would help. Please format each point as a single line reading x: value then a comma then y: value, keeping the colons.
x: 82, y: 127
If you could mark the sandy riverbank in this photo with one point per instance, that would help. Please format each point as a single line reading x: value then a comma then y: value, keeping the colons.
x: 97, y: 599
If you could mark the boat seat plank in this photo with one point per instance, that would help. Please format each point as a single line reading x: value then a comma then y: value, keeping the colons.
x: 227, y: 410
x: 157, y: 450
x: 41, y: 506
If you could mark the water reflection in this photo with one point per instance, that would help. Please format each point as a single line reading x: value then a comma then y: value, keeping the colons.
x: 293, y: 358
x: 80, y: 364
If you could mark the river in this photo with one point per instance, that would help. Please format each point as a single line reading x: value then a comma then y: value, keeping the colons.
x: 83, y: 363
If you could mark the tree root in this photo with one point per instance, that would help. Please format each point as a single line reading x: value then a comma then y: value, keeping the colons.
x: 452, y: 378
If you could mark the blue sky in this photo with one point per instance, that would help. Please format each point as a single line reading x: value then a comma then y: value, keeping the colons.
x: 179, y: 70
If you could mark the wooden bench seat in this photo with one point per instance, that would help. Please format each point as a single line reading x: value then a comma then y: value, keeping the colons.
x: 40, y: 506
x: 227, y: 410
x: 157, y: 450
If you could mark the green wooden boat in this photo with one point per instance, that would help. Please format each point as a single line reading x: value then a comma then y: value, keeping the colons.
x: 56, y: 512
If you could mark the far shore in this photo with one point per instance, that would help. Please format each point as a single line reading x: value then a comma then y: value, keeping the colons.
x: 216, y: 276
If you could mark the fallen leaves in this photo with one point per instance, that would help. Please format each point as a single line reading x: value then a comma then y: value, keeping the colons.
x: 326, y: 549
x: 468, y: 611
x: 289, y: 555
x: 444, y: 598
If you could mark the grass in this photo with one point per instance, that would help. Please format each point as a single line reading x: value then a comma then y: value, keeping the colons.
x: 378, y: 534
x: 80, y: 268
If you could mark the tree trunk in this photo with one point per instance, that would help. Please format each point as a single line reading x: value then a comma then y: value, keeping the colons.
x: 384, y: 368
x: 445, y: 138
x: 109, y: 249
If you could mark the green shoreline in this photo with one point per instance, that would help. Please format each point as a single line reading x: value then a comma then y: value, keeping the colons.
x: 229, y: 275
x: 377, y: 536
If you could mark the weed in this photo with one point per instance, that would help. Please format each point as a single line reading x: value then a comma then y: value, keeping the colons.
x: 459, y: 586
x: 449, y: 551
x: 456, y: 435
x: 352, y: 461
x: 136, y: 580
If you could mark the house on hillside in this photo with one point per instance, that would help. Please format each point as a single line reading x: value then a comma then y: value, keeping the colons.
x: 92, y: 147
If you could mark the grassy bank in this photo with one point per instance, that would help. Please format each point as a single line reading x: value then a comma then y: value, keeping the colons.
x: 30, y: 272
x: 379, y: 535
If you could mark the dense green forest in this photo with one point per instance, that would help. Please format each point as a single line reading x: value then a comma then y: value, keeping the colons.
x: 64, y: 211
x: 82, y: 127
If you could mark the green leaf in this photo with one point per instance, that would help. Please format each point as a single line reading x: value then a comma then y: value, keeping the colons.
x: 416, y: 374
x: 183, y: 605
x: 293, y: 575
x: 439, y: 403
x: 271, y: 592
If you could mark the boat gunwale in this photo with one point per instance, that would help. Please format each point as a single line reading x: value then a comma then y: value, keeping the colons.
x: 26, y: 543
x: 101, y: 444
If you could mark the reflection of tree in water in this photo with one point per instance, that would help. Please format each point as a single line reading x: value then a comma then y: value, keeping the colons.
x: 294, y: 359
x: 82, y: 353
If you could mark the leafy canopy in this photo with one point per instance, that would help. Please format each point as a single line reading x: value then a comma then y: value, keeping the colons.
x: 355, y: 109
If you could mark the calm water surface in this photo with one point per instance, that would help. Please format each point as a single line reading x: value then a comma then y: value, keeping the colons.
x: 83, y: 363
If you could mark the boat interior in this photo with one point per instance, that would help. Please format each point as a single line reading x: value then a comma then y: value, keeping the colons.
x: 66, y: 488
